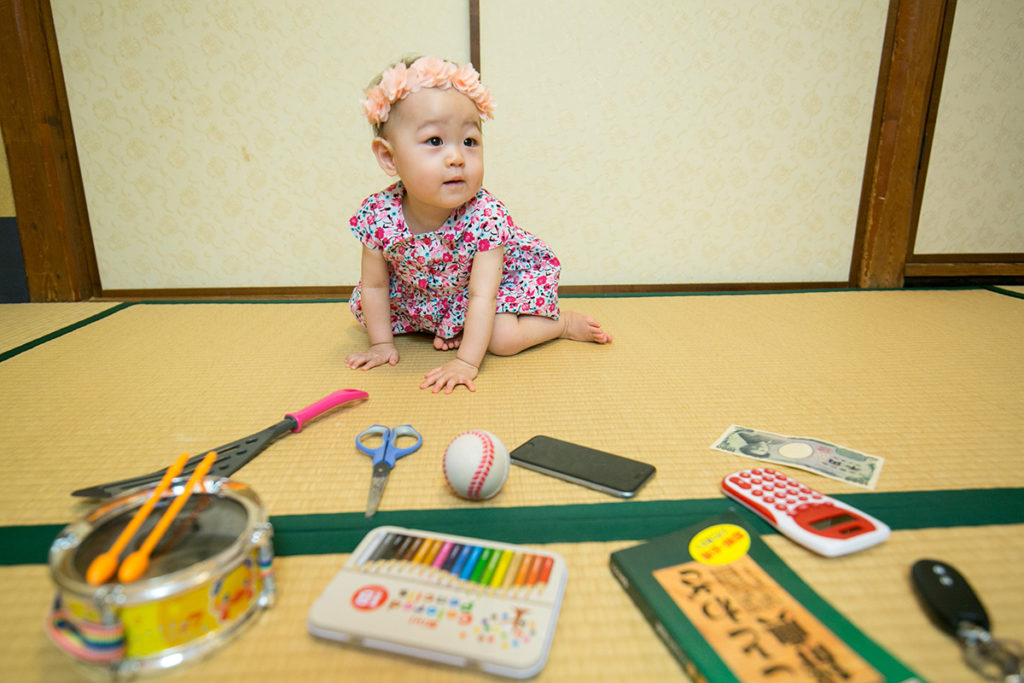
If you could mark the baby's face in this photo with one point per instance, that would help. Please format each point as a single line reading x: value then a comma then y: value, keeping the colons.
x: 437, y: 146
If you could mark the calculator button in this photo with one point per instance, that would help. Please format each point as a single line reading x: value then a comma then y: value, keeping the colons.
x: 769, y: 499
x: 780, y: 506
x: 745, y: 474
x: 756, y: 492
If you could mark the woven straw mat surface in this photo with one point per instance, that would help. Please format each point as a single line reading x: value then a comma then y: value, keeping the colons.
x: 928, y: 380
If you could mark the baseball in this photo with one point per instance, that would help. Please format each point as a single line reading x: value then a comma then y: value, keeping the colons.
x: 476, y: 464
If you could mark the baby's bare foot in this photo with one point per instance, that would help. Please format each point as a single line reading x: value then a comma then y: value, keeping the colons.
x: 579, y: 327
x: 442, y: 344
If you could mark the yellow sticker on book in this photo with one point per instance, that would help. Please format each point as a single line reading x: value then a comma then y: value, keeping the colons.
x: 754, y: 625
x: 720, y: 544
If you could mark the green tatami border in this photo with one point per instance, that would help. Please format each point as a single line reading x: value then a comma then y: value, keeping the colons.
x: 318, y: 534
x: 11, y: 353
x: 1005, y: 292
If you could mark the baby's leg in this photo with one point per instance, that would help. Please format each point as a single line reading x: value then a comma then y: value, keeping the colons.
x: 513, y: 333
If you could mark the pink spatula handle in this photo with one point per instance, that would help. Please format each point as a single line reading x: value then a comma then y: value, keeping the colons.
x: 323, y: 405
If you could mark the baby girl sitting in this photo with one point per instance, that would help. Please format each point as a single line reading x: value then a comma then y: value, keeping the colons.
x: 440, y: 253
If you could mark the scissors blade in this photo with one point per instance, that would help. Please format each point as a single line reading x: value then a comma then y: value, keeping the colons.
x: 380, y: 479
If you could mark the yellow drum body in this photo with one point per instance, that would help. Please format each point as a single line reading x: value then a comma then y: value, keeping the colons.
x: 212, y: 571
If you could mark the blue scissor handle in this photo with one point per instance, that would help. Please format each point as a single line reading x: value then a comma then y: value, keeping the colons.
x: 398, y: 432
x: 388, y: 450
x: 377, y: 452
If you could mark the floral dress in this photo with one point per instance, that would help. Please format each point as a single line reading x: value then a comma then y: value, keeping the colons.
x: 429, y: 284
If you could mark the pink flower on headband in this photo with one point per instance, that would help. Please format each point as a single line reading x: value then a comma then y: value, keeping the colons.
x: 400, y: 81
x: 376, y: 106
x: 432, y: 72
x: 394, y: 83
x: 467, y: 81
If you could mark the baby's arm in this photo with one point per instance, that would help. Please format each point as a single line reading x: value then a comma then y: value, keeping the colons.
x: 376, y: 303
x: 476, y: 334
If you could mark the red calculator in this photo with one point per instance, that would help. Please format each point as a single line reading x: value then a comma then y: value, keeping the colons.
x: 827, y: 526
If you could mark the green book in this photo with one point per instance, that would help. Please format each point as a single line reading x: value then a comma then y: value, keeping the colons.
x: 729, y: 609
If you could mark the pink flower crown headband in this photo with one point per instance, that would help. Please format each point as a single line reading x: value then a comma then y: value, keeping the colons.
x: 400, y: 81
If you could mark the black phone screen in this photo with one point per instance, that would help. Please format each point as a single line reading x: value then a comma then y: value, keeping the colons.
x: 587, y: 466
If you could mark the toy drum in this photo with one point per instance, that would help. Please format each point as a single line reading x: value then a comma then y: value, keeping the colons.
x: 208, y: 575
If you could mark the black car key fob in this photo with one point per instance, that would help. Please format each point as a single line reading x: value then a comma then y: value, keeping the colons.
x: 950, y: 598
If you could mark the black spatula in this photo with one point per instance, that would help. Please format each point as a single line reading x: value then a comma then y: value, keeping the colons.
x: 232, y: 456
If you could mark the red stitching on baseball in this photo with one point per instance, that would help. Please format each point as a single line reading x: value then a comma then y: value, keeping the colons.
x: 445, y: 463
x: 484, y: 467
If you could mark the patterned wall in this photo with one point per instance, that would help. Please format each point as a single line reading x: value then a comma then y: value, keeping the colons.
x: 696, y: 141
x: 221, y: 141
x: 662, y: 141
x: 973, y: 201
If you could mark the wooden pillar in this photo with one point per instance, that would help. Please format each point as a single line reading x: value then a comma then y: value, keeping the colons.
x: 474, y: 33
x: 896, y: 148
x: 60, y: 262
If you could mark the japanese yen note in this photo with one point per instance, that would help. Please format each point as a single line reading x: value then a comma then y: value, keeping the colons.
x: 811, y: 455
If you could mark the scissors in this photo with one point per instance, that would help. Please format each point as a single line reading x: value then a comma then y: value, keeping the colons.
x: 384, y: 457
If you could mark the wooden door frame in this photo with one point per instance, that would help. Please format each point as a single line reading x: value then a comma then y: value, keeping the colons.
x: 905, y: 78
x: 49, y: 198
x: 53, y: 221
x: 934, y: 268
x: 909, y: 87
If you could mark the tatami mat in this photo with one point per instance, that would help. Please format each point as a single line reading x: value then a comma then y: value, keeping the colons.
x: 24, y: 323
x: 929, y: 380
x: 600, y: 636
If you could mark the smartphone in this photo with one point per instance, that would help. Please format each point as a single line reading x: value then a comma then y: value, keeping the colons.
x: 585, y: 466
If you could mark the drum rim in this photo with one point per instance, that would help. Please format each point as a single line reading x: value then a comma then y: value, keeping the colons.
x: 70, y: 539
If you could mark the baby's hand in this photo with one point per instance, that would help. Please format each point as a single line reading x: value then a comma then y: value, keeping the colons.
x: 450, y: 375
x: 378, y: 354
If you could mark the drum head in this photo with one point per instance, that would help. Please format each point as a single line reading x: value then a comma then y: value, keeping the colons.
x: 206, y: 526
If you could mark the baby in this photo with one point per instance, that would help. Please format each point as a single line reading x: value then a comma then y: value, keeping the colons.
x: 441, y: 254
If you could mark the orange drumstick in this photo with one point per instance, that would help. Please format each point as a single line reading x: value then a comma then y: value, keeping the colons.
x: 136, y: 563
x: 103, y: 566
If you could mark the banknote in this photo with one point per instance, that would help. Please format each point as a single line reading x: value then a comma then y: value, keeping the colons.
x: 811, y: 455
